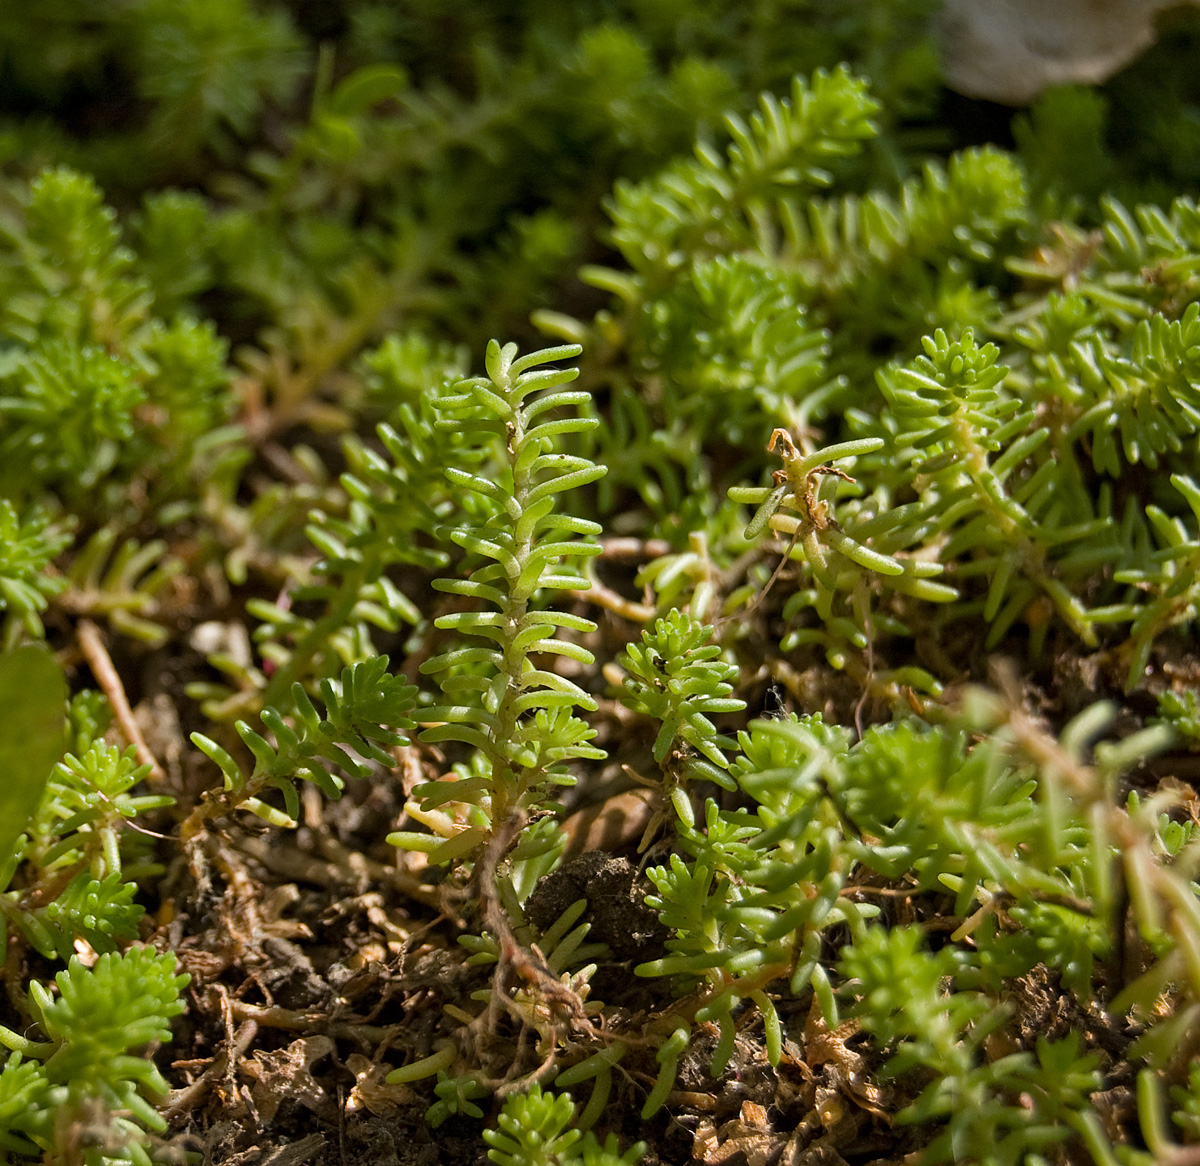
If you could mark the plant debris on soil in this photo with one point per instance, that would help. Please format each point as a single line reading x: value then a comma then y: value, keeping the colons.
x: 321, y: 958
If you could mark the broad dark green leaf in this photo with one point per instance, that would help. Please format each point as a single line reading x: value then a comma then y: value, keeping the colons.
x: 33, y: 697
x: 367, y: 86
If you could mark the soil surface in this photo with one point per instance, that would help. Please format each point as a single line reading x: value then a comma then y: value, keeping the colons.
x: 320, y: 959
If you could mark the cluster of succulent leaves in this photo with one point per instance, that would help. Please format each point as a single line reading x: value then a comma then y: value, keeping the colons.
x: 1012, y: 469
x: 91, y: 1066
x: 996, y: 825
x: 868, y: 399
x: 67, y: 886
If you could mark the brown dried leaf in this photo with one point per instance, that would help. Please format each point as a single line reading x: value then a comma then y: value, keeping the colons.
x: 371, y: 1091
x: 823, y: 1045
x: 287, y: 1073
x: 750, y: 1133
x: 846, y: 1069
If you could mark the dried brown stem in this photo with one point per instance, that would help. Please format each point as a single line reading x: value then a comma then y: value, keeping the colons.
x: 293, y: 1020
x: 513, y: 955
x: 91, y: 644
x: 181, y: 1101
x: 612, y: 601
x: 633, y: 549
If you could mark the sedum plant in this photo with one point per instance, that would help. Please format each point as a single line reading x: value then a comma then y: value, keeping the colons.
x: 97, y: 386
x: 497, y: 699
x: 842, y: 428
x: 29, y: 546
x: 997, y: 1109
x: 360, y: 714
x: 677, y: 677
x: 533, y: 1130
x: 66, y: 890
x: 101, y: 1016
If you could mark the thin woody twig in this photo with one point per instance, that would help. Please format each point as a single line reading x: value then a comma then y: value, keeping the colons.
x: 341, y: 868
x: 295, y: 1020
x: 610, y: 600
x: 529, y: 965
x: 632, y: 549
x: 758, y: 599
x: 91, y: 644
x: 181, y: 1101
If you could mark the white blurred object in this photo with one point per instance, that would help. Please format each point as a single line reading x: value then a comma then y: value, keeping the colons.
x: 1010, y: 50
